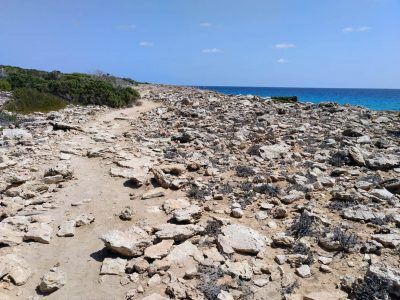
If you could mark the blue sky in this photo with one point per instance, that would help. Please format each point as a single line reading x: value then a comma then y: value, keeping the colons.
x: 300, y: 43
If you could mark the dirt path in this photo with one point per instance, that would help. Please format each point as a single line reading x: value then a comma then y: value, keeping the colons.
x: 80, y: 256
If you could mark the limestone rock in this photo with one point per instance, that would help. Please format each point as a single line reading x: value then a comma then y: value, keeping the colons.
x: 15, y: 268
x: 113, y: 266
x: 128, y: 243
x: 159, y: 250
x: 241, y: 239
x: 177, y: 232
x: 39, y: 232
x: 52, y: 281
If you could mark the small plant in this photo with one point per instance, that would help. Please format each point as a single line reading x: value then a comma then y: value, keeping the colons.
x: 209, y: 276
x: 303, y: 226
x: 340, y: 159
x: 27, y: 101
x: 267, y: 189
x: 370, y: 288
x: 346, y: 240
x: 244, y: 171
x: 289, y: 289
x: 198, y: 192
x: 213, y: 228
x: 254, y: 150
x: 225, y: 189
x: 300, y: 248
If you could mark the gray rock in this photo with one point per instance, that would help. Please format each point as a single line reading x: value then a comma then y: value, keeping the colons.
x: 241, y: 239
x: 67, y: 229
x: 128, y: 243
x: 84, y: 219
x: 390, y: 240
x: 303, y: 271
x: 159, y: 250
x: 362, y: 213
x: 113, y: 266
x: 383, y: 162
x: 15, y: 268
x: 39, y: 232
x: 270, y: 152
x: 177, y: 232
x: 52, y: 281
x: 189, y: 214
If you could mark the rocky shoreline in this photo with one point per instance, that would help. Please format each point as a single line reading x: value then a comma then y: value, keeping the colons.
x: 198, y: 195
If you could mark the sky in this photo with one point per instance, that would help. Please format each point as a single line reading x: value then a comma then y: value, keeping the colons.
x: 283, y: 43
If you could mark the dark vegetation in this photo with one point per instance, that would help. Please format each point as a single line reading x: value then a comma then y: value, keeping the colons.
x: 346, y: 240
x: 244, y: 171
x: 50, y: 90
x: 370, y: 287
x: 290, y: 99
x: 198, y: 192
x: 209, y: 276
x: 5, y: 85
x: 29, y: 100
x: 303, y: 226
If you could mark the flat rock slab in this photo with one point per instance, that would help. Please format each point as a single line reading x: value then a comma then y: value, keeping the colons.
x: 156, y: 193
x: 39, y: 232
x: 177, y: 232
x: 67, y: 229
x: 241, y: 239
x: 113, y: 266
x: 159, y: 250
x: 128, y: 243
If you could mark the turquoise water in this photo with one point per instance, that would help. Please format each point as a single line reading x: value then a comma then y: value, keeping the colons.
x: 376, y: 99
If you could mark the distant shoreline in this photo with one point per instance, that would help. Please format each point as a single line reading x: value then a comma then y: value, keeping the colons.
x: 374, y: 99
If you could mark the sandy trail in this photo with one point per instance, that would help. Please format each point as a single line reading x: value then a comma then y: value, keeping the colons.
x: 80, y: 256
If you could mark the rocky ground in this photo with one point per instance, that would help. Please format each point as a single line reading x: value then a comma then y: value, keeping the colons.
x: 197, y: 195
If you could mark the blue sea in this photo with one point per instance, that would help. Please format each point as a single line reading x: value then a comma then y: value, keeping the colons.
x: 376, y: 99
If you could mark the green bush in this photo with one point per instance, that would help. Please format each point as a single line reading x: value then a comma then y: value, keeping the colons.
x: 5, y: 85
x: 76, y: 87
x: 26, y: 100
x: 290, y: 99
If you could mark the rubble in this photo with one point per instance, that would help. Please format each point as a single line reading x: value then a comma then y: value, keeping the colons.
x: 202, y: 196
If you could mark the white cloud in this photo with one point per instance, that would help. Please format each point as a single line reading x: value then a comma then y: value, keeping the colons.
x: 356, y: 29
x: 146, y: 44
x: 284, y: 46
x: 282, y: 61
x: 211, y: 50
x: 126, y: 27
x: 205, y: 24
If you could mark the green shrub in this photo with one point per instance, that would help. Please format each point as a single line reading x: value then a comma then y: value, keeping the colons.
x: 76, y: 87
x: 5, y: 85
x: 290, y: 99
x: 26, y: 100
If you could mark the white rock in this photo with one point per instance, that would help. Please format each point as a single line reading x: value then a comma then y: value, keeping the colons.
x: 113, y: 266
x: 241, y: 239
x: 128, y: 243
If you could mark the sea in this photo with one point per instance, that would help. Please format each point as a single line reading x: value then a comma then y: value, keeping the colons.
x: 374, y: 99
